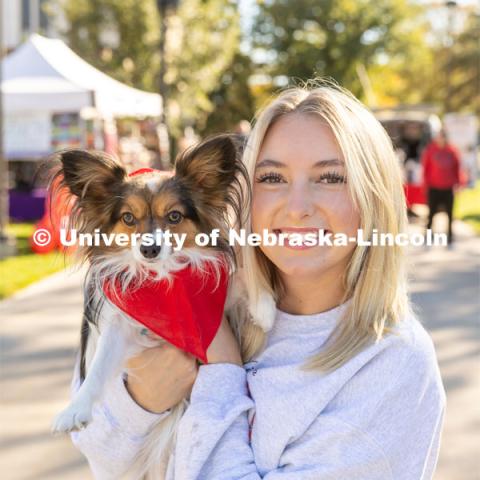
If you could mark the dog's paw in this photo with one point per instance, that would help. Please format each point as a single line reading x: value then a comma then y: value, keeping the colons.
x: 75, y: 417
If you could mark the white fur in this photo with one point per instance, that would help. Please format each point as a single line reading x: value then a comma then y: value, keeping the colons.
x: 153, y: 184
x: 263, y: 311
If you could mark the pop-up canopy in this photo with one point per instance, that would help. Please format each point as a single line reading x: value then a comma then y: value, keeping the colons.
x: 44, y: 74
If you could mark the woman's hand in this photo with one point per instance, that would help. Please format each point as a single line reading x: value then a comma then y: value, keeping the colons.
x: 161, y: 377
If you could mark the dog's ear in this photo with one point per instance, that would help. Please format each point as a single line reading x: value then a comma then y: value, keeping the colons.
x: 92, y: 175
x: 215, y: 176
x: 211, y: 165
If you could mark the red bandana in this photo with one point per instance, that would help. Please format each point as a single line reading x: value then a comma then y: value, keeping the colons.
x: 187, y: 313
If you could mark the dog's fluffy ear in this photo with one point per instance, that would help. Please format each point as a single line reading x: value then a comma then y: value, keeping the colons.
x: 90, y: 174
x: 212, y: 165
x: 216, y: 177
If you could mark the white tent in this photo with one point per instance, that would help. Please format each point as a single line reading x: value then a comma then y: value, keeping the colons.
x: 46, y: 75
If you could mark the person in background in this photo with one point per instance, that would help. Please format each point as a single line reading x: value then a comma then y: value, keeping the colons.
x: 441, y: 176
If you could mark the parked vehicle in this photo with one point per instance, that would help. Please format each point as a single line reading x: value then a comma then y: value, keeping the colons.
x: 410, y: 130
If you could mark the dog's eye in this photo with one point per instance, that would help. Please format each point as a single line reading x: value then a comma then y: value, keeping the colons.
x: 174, y: 217
x: 128, y: 219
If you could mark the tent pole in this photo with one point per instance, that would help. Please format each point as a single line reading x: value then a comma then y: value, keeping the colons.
x: 8, y: 245
x: 4, y: 241
x: 164, y: 8
x: 165, y: 149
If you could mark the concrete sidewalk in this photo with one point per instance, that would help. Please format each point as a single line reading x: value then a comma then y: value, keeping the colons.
x: 40, y: 333
x: 445, y: 290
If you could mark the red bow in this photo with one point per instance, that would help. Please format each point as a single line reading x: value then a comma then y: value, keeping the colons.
x: 141, y: 171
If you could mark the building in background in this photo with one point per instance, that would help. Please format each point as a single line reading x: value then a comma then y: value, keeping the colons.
x: 20, y: 18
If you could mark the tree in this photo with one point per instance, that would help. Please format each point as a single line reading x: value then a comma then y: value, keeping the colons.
x: 207, y: 40
x: 455, y: 83
x: 307, y: 38
x: 233, y: 100
x: 121, y: 38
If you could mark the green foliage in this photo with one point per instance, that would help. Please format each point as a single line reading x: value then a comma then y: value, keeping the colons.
x: 121, y: 38
x: 233, y: 100
x: 467, y: 206
x: 455, y: 83
x: 381, y: 50
x: 208, y: 39
x: 306, y: 38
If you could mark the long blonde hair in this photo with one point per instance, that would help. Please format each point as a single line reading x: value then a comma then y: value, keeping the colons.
x: 374, y: 280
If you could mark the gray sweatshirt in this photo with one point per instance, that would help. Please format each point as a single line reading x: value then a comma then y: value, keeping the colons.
x: 377, y: 417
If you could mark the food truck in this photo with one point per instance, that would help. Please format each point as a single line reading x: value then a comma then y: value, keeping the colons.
x: 410, y: 129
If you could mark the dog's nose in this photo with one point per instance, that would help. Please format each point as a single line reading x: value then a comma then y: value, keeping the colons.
x: 150, y: 251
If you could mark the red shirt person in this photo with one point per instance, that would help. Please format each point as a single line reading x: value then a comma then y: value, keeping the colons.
x: 441, y: 174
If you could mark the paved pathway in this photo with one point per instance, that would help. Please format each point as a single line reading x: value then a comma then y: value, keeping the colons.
x: 446, y: 292
x: 39, y: 335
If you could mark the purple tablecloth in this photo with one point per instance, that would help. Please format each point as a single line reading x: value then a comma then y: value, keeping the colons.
x: 27, y: 206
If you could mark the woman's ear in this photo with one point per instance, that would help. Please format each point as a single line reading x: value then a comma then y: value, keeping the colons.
x: 91, y: 175
x: 212, y: 165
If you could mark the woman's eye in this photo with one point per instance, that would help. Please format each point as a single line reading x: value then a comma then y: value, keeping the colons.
x: 174, y: 217
x: 270, y: 178
x: 128, y: 219
x: 332, y: 177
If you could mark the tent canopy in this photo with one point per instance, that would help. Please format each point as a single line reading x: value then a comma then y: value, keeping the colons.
x: 44, y: 74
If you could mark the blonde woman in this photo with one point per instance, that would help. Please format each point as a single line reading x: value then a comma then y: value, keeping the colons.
x: 345, y: 384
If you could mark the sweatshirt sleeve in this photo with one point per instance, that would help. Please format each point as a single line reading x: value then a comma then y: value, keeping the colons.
x: 213, y: 434
x: 116, y: 432
x: 394, y: 436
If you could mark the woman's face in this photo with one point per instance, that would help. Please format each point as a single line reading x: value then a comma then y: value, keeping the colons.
x: 300, y: 187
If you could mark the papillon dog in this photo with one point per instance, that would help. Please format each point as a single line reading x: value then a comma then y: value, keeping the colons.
x: 207, y: 190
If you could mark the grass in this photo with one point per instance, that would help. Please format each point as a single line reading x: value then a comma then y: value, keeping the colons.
x: 26, y: 267
x: 467, y: 207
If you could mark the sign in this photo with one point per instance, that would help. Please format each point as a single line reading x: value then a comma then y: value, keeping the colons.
x: 66, y: 131
x: 27, y: 135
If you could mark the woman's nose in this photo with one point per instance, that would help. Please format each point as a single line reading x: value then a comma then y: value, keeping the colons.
x: 299, y: 203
